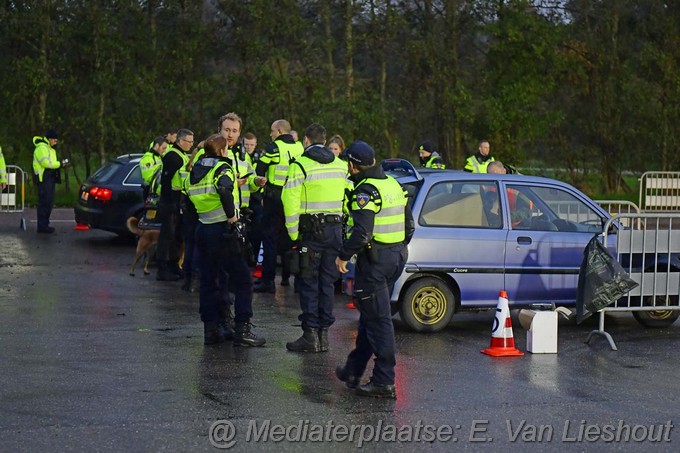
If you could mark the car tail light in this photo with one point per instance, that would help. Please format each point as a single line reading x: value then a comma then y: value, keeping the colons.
x: 101, y: 194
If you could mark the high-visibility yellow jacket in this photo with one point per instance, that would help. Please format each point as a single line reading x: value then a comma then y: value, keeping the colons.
x: 44, y: 157
x: 148, y: 164
x: 388, y: 203
x: 475, y: 166
x: 313, y: 187
x: 3, y: 168
x: 204, y: 194
x: 278, y: 160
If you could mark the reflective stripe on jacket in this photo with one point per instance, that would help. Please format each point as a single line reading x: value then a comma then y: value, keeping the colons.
x: 389, y: 225
x: 279, y: 160
x: 313, y: 188
x: 204, y: 194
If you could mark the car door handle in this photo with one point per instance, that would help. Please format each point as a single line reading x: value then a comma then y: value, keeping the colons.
x: 524, y: 240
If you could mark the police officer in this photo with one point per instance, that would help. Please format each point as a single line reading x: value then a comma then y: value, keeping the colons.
x: 3, y: 171
x: 312, y: 199
x: 250, y: 145
x: 429, y: 158
x: 479, y: 162
x: 274, y: 165
x: 173, y: 172
x: 383, y: 225
x: 253, y: 156
x: 46, y: 171
x: 229, y: 127
x: 211, y: 190
x: 151, y: 161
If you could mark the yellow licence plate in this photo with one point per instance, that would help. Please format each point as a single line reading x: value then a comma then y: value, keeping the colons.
x: 151, y: 214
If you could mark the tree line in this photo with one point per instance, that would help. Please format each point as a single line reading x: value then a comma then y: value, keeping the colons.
x: 585, y: 85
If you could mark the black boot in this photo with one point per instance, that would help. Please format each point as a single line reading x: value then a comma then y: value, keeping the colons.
x: 323, y: 339
x: 245, y: 337
x: 308, y: 342
x: 212, y: 333
x: 227, y: 324
x: 351, y: 381
x: 377, y: 390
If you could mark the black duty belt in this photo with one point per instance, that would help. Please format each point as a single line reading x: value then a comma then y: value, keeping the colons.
x: 325, y: 218
x: 383, y: 245
x: 271, y: 186
x: 332, y: 218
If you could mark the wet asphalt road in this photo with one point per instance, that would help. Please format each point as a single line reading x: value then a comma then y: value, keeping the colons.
x: 92, y: 359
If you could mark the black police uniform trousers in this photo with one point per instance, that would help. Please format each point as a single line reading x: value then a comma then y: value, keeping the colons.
x: 317, y: 288
x: 256, y: 223
x: 373, y: 283
x: 220, y: 262
x: 170, y: 236
x: 189, y: 224
x: 46, y: 198
x: 275, y: 239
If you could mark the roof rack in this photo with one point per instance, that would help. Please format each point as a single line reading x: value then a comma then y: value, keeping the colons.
x: 130, y: 155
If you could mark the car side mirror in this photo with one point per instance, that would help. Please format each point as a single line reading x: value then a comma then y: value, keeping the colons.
x: 612, y: 227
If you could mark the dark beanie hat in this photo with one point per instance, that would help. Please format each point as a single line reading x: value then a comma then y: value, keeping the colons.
x: 361, y: 153
x: 426, y: 146
x: 52, y: 134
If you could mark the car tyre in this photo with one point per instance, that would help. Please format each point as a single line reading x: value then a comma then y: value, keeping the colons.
x: 428, y: 305
x: 657, y: 318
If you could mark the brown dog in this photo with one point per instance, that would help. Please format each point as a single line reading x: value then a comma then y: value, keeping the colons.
x: 148, y: 239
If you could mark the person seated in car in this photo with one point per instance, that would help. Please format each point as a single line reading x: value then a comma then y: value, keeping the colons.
x: 491, y: 199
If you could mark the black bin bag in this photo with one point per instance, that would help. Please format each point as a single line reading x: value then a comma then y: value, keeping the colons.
x: 601, y: 280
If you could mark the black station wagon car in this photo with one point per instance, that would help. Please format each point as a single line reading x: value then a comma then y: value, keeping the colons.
x: 111, y: 195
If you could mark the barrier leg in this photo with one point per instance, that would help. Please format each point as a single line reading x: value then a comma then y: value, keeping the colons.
x: 601, y: 331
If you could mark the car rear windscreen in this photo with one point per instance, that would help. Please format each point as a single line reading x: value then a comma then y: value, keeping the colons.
x: 105, y: 173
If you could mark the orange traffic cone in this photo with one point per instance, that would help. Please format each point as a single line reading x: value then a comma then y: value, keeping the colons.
x: 81, y: 227
x: 502, y: 340
x: 258, y: 271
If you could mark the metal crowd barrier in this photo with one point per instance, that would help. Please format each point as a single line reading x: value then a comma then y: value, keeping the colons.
x: 574, y: 211
x: 615, y: 207
x: 12, y: 198
x: 647, y: 254
x: 660, y: 191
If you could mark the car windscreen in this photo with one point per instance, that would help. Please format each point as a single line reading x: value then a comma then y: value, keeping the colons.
x: 105, y: 173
